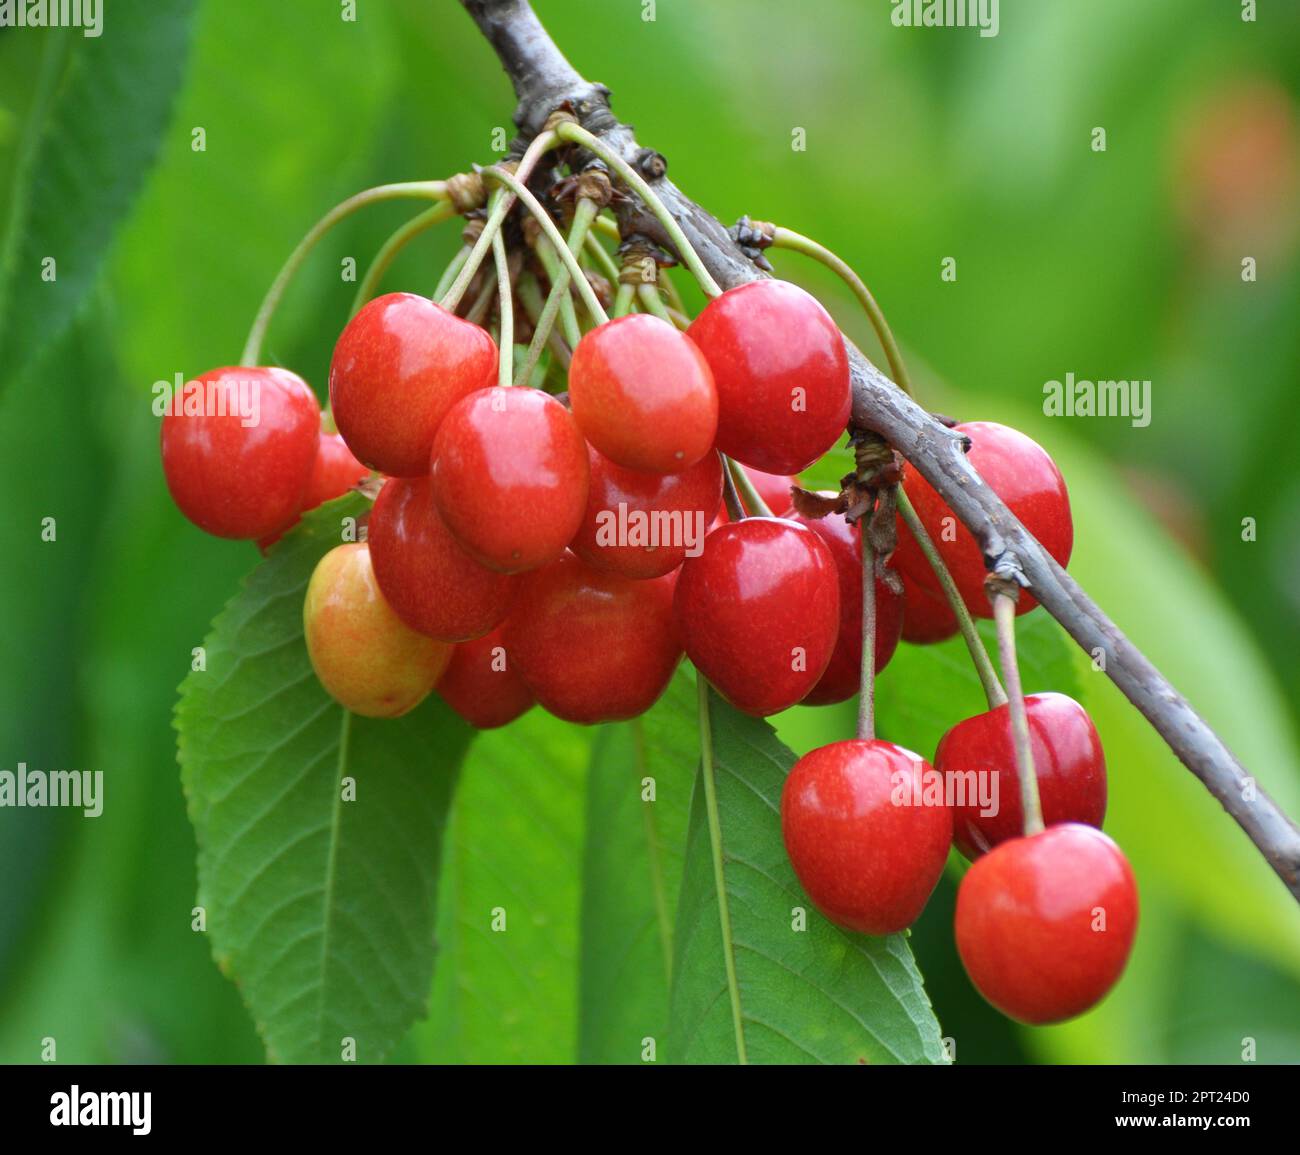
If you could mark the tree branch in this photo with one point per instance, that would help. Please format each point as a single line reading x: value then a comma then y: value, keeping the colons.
x: 544, y: 80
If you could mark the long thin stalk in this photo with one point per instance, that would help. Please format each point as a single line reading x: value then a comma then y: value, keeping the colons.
x: 383, y: 259
x: 867, y: 685
x: 751, y: 495
x: 506, y: 344
x: 1004, y: 614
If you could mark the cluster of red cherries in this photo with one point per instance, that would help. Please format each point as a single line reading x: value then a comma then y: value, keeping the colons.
x: 489, y: 573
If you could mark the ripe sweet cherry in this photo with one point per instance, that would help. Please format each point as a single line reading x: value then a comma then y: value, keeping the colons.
x: 927, y: 617
x: 758, y: 612
x: 1068, y: 761
x: 781, y: 372
x: 1045, y: 924
x: 592, y: 646
x: 364, y: 656
x: 643, y: 394
x: 431, y: 582
x: 637, y: 524
x: 482, y: 685
x: 510, y: 477
x: 333, y: 474
x: 400, y: 364
x: 238, y: 446
x: 866, y: 849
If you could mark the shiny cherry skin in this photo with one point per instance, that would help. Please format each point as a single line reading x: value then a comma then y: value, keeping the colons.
x: 1022, y: 474
x: 592, y: 646
x: 758, y: 612
x: 482, y: 685
x: 510, y: 477
x: 238, y: 446
x: 844, y: 671
x: 400, y: 364
x: 781, y: 371
x: 641, y: 525
x: 334, y: 473
x: 365, y: 657
x: 643, y: 394
x: 1068, y: 762
x: 1045, y: 924
x: 430, y: 581
x: 927, y: 617
x: 867, y: 846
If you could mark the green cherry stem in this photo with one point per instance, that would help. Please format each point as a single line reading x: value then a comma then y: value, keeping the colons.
x: 796, y: 242
x: 583, y: 214
x: 506, y: 344
x: 530, y: 296
x: 609, y: 227
x: 674, y: 294
x: 974, y: 643
x: 440, y: 212
x: 607, y: 264
x: 648, y: 295
x: 559, y: 301
x: 746, y: 487
x: 580, y: 282
x: 735, y: 508
x: 564, y: 302
x: 449, y: 274
x: 1004, y: 614
x: 867, y: 686
x: 435, y: 190
x: 576, y: 134
x: 623, y: 299
x: 719, y: 873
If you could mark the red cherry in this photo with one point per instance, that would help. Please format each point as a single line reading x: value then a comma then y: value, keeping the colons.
x: 1045, y: 924
x: 238, y: 446
x: 482, y: 685
x: 759, y: 611
x: 433, y: 584
x: 400, y: 364
x: 1021, y: 473
x: 593, y: 647
x: 643, y: 394
x: 844, y: 672
x: 334, y: 473
x: 926, y: 618
x: 781, y: 372
x: 364, y: 656
x: 1068, y: 760
x: 866, y: 844
x: 640, y: 525
x: 510, y: 477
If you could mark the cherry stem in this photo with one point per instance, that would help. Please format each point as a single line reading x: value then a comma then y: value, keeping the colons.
x: 506, y: 344
x: 607, y: 264
x: 719, y: 874
x: 516, y: 186
x: 796, y: 242
x: 609, y: 227
x: 564, y: 303
x: 530, y: 296
x: 867, y: 689
x: 583, y: 215
x: 623, y: 299
x: 648, y: 295
x: 988, y: 676
x: 450, y: 273
x: 1004, y: 613
x: 674, y: 293
x: 576, y: 134
x: 435, y: 190
x: 735, y: 510
x: 751, y: 495
x: 395, y: 244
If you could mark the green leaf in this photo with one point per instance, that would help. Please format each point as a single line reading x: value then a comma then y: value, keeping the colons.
x: 93, y: 135
x: 820, y: 995
x: 632, y: 872
x: 505, y: 986
x: 321, y: 908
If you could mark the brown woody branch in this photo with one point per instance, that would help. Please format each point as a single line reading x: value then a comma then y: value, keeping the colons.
x: 544, y: 80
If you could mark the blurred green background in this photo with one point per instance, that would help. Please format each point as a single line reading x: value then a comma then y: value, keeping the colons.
x: 920, y: 145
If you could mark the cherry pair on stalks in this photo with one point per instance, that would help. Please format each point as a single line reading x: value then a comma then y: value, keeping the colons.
x: 482, y: 684
x: 365, y: 657
x: 1022, y: 474
x: 781, y: 372
x: 1068, y: 762
x: 1045, y: 923
x: 643, y: 395
x: 866, y: 846
x: 510, y: 477
x: 759, y: 612
x: 640, y: 525
x: 238, y: 448
x: 592, y: 646
x: 399, y: 366
x: 844, y: 671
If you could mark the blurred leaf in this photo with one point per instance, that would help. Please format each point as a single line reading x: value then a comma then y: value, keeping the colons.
x: 822, y: 995
x: 105, y: 102
x: 632, y: 873
x: 321, y: 908
x: 505, y: 984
